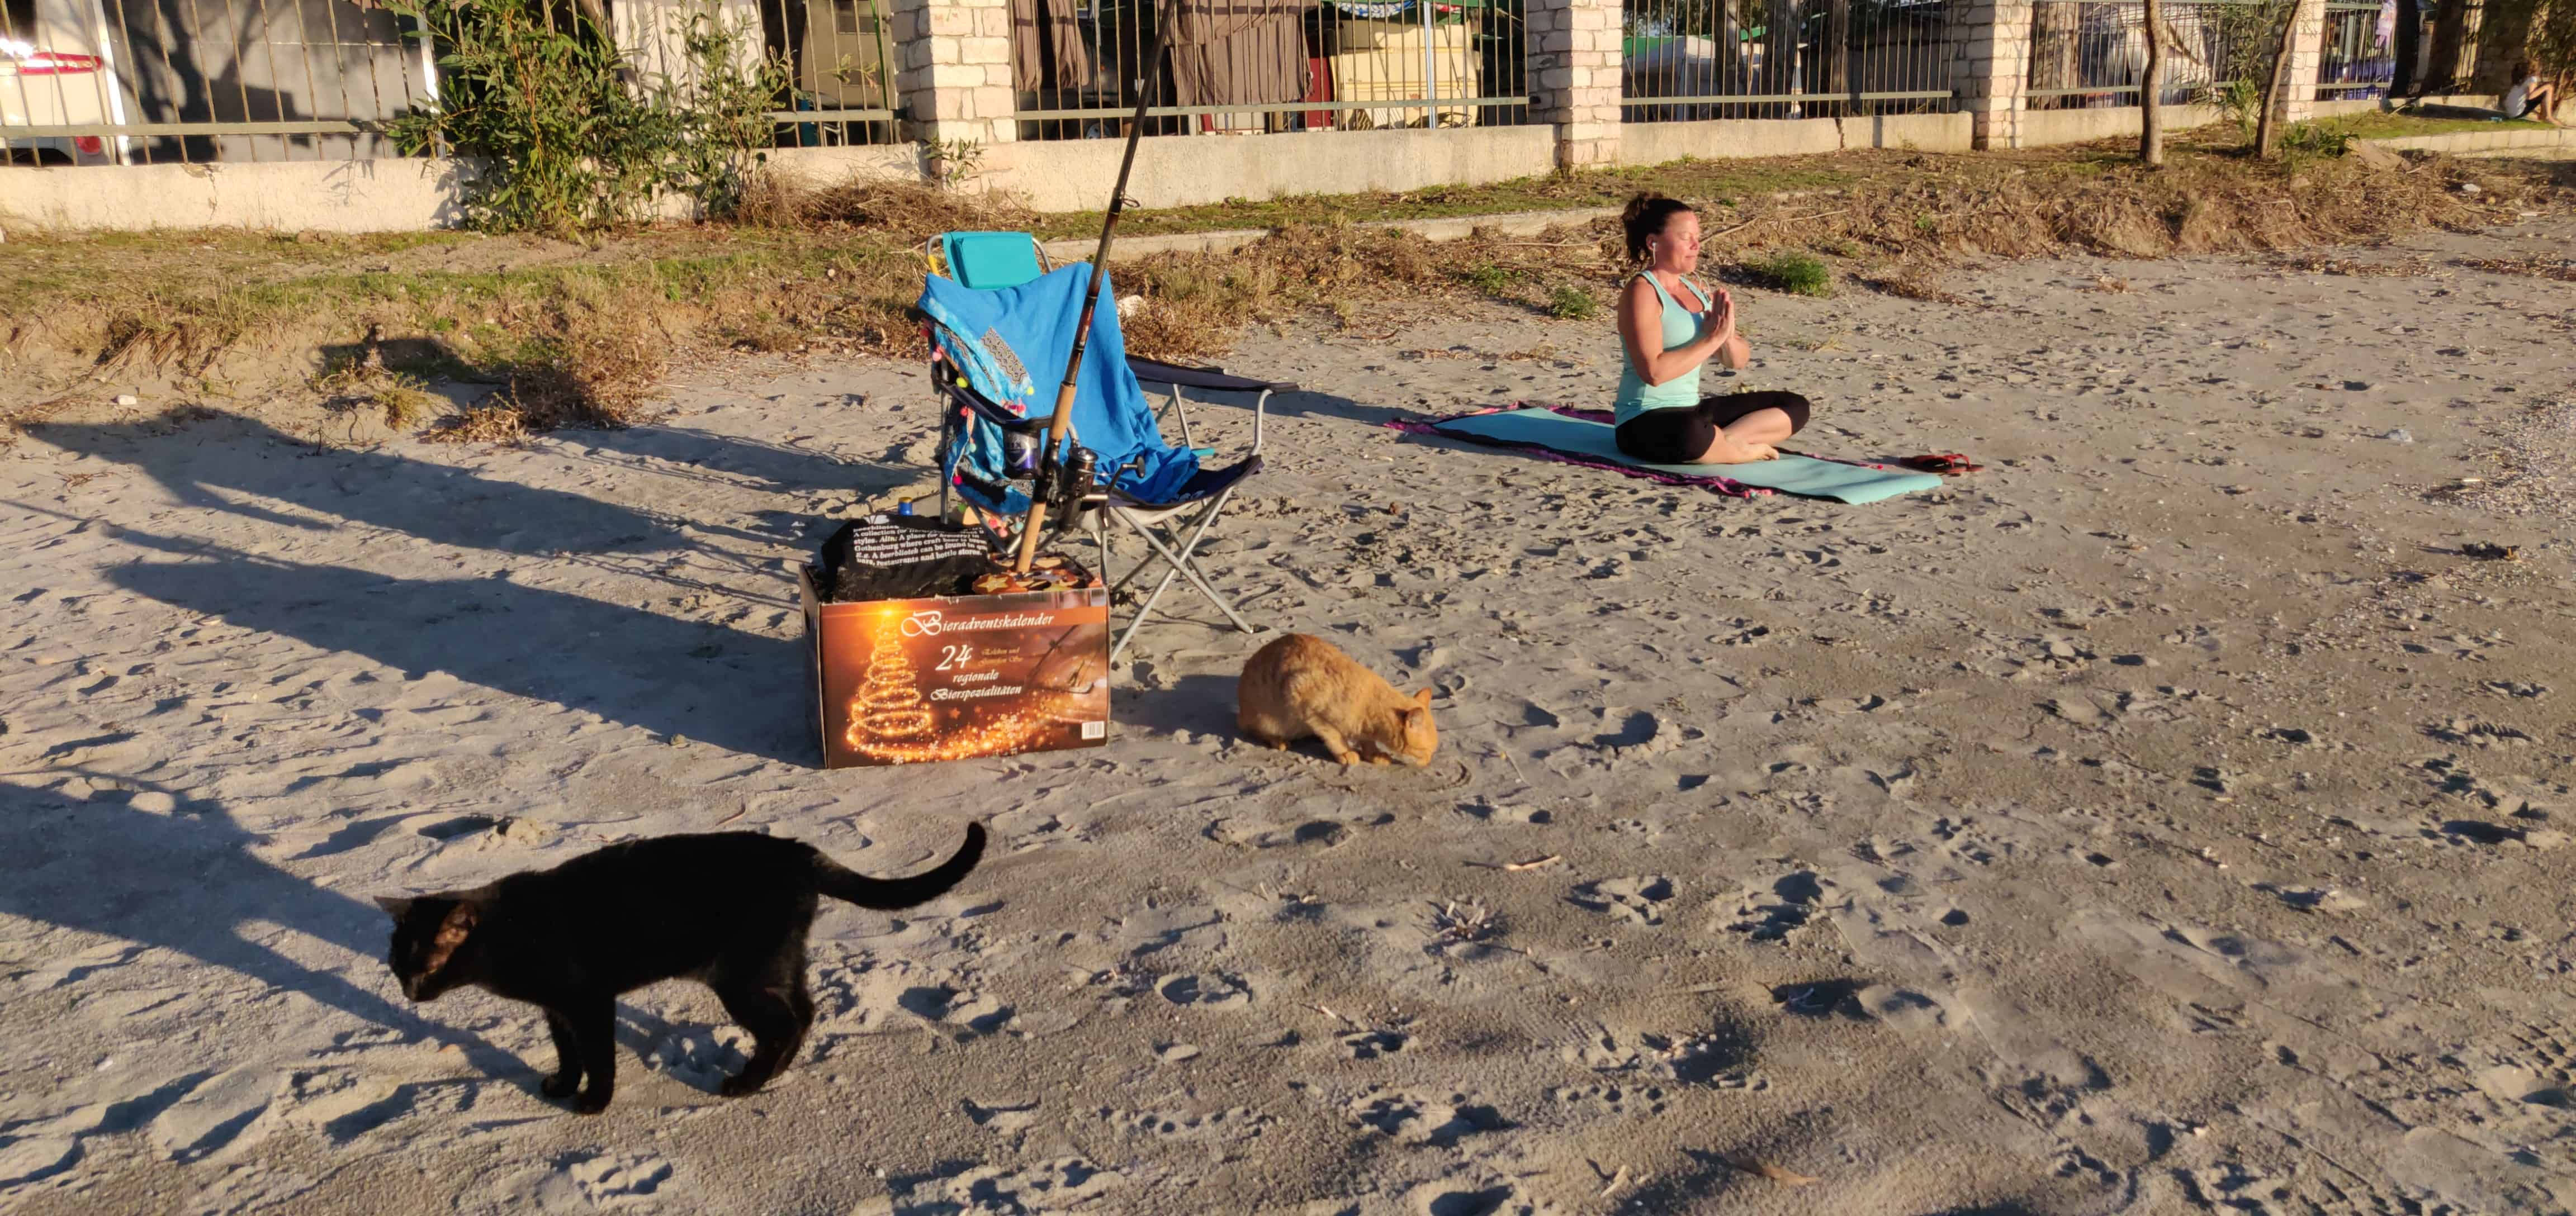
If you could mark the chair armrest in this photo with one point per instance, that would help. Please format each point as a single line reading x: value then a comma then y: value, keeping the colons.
x: 1212, y: 379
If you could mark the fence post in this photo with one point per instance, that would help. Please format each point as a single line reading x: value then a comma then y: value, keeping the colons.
x: 1991, y: 68
x: 2307, y: 61
x: 954, y: 81
x: 1574, y: 48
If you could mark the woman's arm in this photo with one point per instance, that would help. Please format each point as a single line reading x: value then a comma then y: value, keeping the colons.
x: 1641, y: 314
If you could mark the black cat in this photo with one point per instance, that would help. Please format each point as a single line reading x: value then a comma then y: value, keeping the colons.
x: 729, y: 909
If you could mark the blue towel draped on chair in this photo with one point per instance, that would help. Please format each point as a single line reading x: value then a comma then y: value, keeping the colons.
x: 1012, y: 343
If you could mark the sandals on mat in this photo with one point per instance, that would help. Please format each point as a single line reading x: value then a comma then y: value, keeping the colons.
x: 1947, y: 464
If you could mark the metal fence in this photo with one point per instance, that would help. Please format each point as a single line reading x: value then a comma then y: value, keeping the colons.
x: 2357, y: 59
x: 1246, y: 66
x: 2450, y: 42
x: 199, y: 81
x: 1686, y: 60
x: 2094, y: 52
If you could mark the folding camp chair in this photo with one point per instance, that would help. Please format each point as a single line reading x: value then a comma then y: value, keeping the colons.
x: 989, y: 440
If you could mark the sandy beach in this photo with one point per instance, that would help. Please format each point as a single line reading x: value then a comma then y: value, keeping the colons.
x: 2169, y: 818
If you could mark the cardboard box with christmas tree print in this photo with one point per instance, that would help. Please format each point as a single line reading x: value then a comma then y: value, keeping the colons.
x: 954, y: 677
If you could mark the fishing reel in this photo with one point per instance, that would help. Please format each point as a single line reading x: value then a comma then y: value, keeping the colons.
x: 1069, y: 487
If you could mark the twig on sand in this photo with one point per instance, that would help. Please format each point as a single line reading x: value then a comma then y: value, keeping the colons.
x: 1532, y: 864
x: 1761, y: 1168
x: 1617, y: 1180
x: 1327, y: 1011
x: 738, y: 813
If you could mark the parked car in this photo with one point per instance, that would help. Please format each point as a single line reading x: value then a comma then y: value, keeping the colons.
x: 49, y: 77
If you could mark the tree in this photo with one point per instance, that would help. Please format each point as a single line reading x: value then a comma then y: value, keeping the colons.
x: 2151, y: 121
x: 2407, y: 51
x: 2450, y: 31
x: 2267, y: 127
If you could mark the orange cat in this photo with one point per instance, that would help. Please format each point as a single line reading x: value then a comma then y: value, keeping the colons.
x: 1301, y: 685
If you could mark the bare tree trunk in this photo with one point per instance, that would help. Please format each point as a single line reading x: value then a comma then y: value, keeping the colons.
x: 2267, y: 129
x: 2151, y: 116
x: 2408, y: 40
x: 2450, y: 31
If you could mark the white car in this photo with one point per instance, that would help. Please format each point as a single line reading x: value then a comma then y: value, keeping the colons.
x: 50, y: 77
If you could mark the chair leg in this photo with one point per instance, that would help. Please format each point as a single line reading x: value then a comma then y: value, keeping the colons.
x: 1181, y: 566
x: 1100, y: 540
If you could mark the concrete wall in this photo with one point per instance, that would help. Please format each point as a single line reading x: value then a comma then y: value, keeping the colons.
x: 283, y: 196
x: 837, y: 166
x: 1655, y: 143
x: 1070, y: 175
x: 1181, y: 170
x: 2042, y: 128
x: 2550, y: 143
x: 2373, y: 105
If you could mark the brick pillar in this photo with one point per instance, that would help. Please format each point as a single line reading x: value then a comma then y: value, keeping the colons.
x: 954, y: 73
x: 2307, y: 61
x: 1990, y: 66
x: 1574, y: 69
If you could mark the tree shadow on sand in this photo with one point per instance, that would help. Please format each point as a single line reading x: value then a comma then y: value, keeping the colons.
x: 702, y: 680
x: 186, y: 881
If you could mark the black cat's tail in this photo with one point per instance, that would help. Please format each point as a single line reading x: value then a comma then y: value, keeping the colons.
x: 889, y: 894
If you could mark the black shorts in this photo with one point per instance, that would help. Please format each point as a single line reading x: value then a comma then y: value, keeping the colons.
x: 1680, y: 434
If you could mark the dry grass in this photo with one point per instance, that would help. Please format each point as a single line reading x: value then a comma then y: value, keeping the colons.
x: 580, y: 336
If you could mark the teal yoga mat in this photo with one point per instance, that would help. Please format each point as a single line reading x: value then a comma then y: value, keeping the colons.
x: 1591, y: 441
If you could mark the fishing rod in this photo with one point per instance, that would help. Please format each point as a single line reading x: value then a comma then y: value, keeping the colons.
x: 1050, y: 469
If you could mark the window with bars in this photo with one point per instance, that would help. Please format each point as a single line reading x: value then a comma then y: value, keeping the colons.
x: 1268, y: 66
x: 1697, y: 59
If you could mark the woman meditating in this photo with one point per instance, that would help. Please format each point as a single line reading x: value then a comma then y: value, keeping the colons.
x: 1668, y: 328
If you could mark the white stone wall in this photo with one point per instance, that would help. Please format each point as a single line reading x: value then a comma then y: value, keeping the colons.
x: 954, y: 76
x: 1991, y: 69
x: 1574, y: 77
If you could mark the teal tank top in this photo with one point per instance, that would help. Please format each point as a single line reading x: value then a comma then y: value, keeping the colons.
x: 1680, y: 326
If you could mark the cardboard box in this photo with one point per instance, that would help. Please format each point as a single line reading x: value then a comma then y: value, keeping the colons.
x: 954, y: 677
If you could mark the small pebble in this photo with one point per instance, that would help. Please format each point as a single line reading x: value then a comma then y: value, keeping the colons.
x: 128, y: 399
x: 2400, y: 435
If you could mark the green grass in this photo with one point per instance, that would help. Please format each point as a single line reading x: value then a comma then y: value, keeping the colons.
x: 2395, y: 126
x: 1490, y: 279
x: 1796, y: 273
x: 1572, y: 304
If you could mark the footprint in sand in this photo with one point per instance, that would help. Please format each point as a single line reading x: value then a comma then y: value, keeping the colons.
x: 1773, y: 913
x: 1719, y: 1059
x: 1451, y: 1197
x: 1214, y: 990
x: 2470, y: 732
x: 1608, y: 1101
x: 606, y: 1181
x: 1069, y: 1184
x: 223, y: 1113
x: 30, y: 1160
x: 1409, y: 1118
x: 1232, y: 1125
x: 1638, y: 900
x: 1371, y: 1044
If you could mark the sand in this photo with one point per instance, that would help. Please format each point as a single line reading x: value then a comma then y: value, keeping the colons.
x: 2169, y: 818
